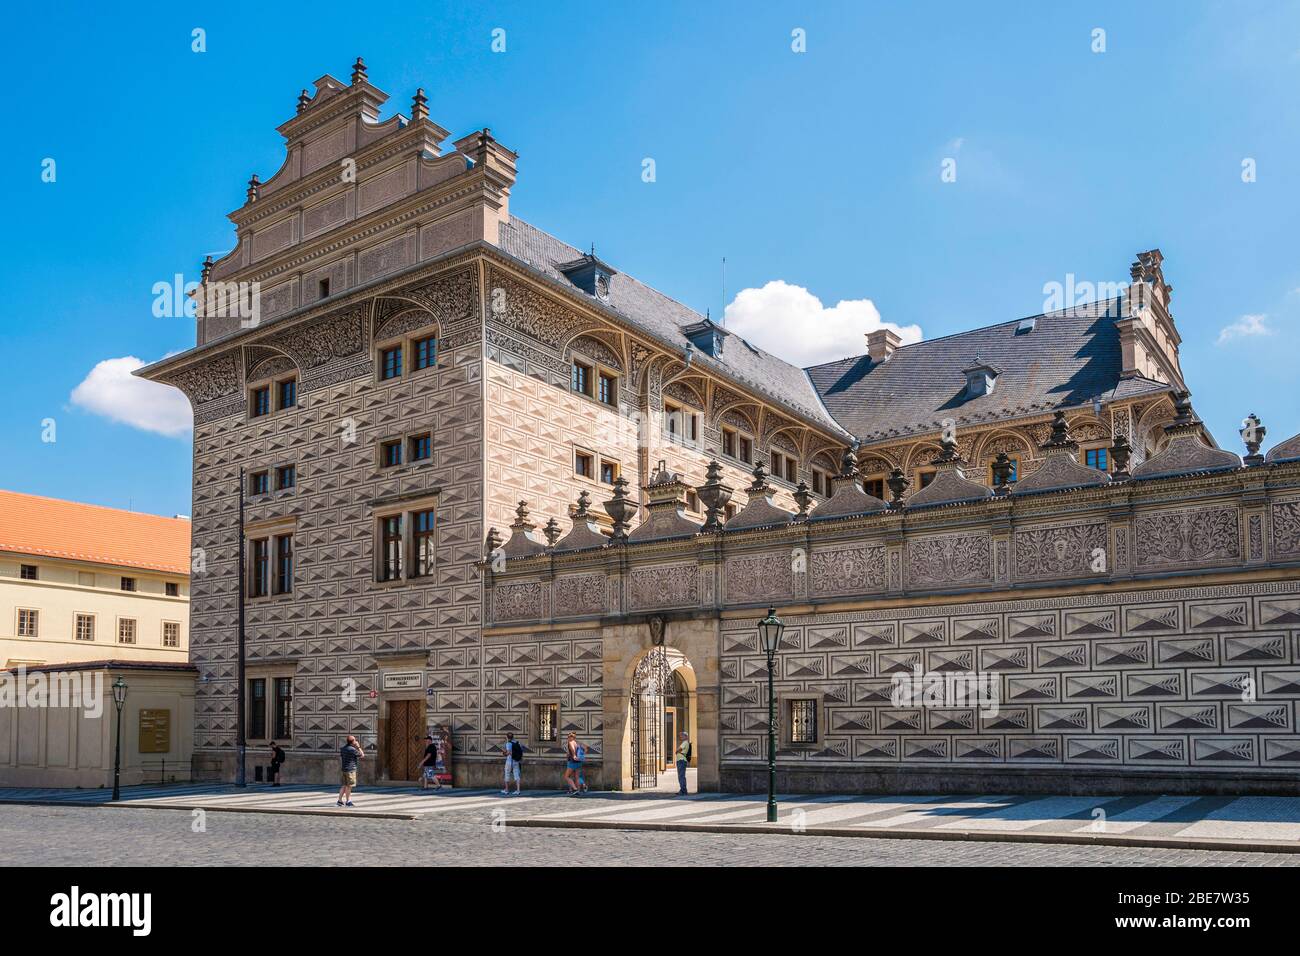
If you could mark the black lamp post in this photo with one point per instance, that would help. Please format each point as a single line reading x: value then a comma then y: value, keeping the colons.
x: 119, y: 698
x: 769, y: 636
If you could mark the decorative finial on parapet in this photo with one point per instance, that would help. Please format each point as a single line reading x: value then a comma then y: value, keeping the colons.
x: 621, y: 508
x: 206, y: 270
x: 1252, y: 432
x: 358, y: 71
x: 849, y: 464
x: 552, y: 532
x: 254, y: 188
x: 714, y: 495
x: 419, y: 106
x: 898, y: 483
x: 583, y: 510
x: 1183, y: 414
x: 760, y: 485
x: 803, y: 498
x: 521, y: 518
x: 949, y: 453
x: 1002, y: 468
x: 304, y: 100
x: 1060, y: 437
x: 493, y: 542
x: 1120, y: 453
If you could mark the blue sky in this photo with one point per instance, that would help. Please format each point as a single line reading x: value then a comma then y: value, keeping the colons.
x: 818, y: 169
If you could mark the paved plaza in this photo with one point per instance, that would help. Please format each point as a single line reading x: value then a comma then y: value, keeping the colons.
x: 1245, y: 824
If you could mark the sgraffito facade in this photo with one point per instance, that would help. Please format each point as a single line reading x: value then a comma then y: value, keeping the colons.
x: 409, y: 367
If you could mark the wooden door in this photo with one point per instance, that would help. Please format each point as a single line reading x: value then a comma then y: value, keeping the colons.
x: 404, y: 746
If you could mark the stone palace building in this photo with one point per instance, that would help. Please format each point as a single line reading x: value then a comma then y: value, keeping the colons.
x: 496, y: 484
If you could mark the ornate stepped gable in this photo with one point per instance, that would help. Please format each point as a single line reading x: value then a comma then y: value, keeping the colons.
x: 665, y: 517
x: 1061, y: 469
x: 585, y: 532
x: 848, y: 498
x: 760, y: 512
x: 1186, y: 452
x: 950, y: 484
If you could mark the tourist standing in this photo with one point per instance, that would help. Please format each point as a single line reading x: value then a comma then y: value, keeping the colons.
x: 444, y: 755
x: 349, y: 754
x: 574, y: 755
x: 683, y: 761
x: 277, y: 758
x: 429, y: 765
x: 514, y: 752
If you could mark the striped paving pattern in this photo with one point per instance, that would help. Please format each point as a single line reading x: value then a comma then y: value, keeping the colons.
x: 1216, y: 818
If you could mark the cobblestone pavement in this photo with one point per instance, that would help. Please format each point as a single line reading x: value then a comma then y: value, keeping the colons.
x: 99, y: 836
x: 1133, y: 817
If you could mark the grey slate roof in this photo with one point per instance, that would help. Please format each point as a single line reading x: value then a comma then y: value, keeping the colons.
x: 1067, y: 359
x: 641, y: 305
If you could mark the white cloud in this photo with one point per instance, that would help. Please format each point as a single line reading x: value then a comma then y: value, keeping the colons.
x: 1245, y: 327
x: 112, y: 391
x: 791, y: 323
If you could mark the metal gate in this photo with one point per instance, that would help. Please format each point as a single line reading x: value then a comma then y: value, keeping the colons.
x: 649, y: 690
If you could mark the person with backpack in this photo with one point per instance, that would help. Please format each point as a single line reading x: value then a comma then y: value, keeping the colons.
x: 574, y: 755
x: 514, y: 752
x: 683, y: 761
x: 277, y: 758
x: 349, y: 754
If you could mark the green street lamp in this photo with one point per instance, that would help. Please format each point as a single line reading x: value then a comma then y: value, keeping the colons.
x: 770, y: 629
x: 119, y: 698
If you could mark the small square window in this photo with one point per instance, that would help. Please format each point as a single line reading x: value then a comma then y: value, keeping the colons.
x: 173, y: 589
x: 128, y: 584
x: 421, y: 447
x: 286, y: 476
x: 729, y: 443
x: 875, y: 487
x: 85, y: 627
x: 584, y: 465
x: 1096, y: 458
x: 28, y: 572
x: 580, y: 378
x: 126, y: 630
x: 259, y: 483
x: 390, y: 363
x: 608, y: 471
x: 390, y: 454
x: 607, y: 390
x: 260, y: 402
x: 424, y: 353
x: 171, y: 634
x: 923, y: 478
x: 287, y: 393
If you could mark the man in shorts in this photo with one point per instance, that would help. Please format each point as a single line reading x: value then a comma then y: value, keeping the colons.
x: 429, y: 765
x: 349, y: 754
x: 514, y: 752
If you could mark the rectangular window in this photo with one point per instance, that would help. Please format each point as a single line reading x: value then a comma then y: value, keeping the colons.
x: 584, y: 465
x: 171, y: 634
x: 672, y: 421
x: 128, y: 584
x: 692, y: 502
x: 819, y: 484
x: 607, y: 391
x: 390, y: 363
x: 390, y: 556
x: 608, y: 471
x: 390, y: 454
x: 126, y: 628
x: 923, y: 478
x: 729, y: 511
x: 424, y: 353
x: 260, y: 574
x: 580, y: 378
x: 323, y: 287
x: 286, y: 476
x: 288, y: 390
x: 745, y: 447
x: 421, y: 447
x: 778, y: 465
x: 257, y: 708
x: 172, y: 589
x: 803, y: 721
x: 28, y: 572
x: 792, y: 471
x: 284, y: 564
x: 27, y: 620
x: 260, y: 402
x: 548, y: 723
x: 729, y: 443
x: 875, y: 487
x: 284, y: 707
x: 85, y: 627
x: 1095, y: 458
x: 259, y: 483
x: 422, y: 529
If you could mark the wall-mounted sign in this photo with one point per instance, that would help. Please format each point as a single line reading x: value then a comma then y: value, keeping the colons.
x: 403, y: 680
x: 155, y: 731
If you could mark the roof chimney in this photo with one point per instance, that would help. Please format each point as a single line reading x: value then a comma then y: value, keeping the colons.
x: 881, y: 344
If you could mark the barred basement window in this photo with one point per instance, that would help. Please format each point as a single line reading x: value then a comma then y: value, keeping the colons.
x: 171, y: 634
x: 27, y: 622
x: 803, y: 721
x: 85, y: 627
x: 126, y: 629
x: 548, y: 723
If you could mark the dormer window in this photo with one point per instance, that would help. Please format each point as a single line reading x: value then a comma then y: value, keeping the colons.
x: 706, y: 337
x: 590, y: 275
x: 981, y: 378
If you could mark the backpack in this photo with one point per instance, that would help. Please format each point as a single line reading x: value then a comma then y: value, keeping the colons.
x: 516, y: 751
x: 580, y: 753
x: 687, y: 751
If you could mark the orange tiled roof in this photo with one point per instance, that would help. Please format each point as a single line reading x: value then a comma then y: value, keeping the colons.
x: 30, y: 524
